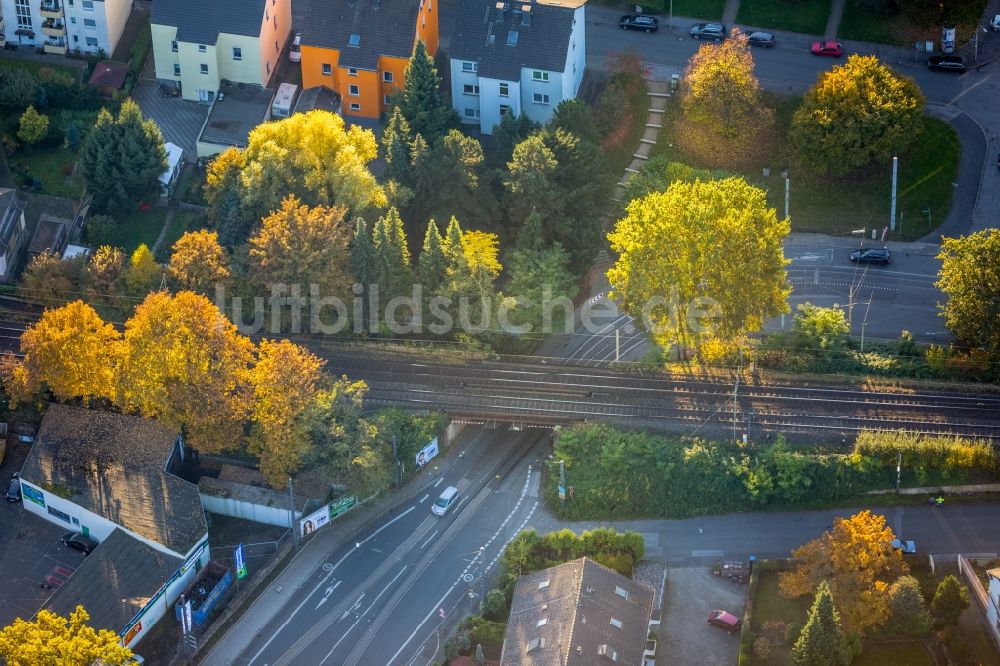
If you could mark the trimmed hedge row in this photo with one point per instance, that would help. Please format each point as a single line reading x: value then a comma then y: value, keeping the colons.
x: 616, y: 474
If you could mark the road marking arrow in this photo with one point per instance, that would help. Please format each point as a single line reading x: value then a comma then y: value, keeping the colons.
x: 356, y: 606
x: 326, y: 596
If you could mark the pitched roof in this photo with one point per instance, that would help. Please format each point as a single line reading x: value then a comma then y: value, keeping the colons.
x: 568, y: 614
x: 114, y: 582
x: 11, y: 208
x: 503, y: 41
x: 201, y: 21
x: 382, y: 27
x: 114, y: 464
x: 108, y: 74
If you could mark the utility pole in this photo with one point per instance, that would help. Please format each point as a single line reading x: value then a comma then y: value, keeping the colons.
x: 892, y: 205
x: 787, y: 187
x: 395, y: 457
x: 618, y: 344
x: 291, y: 515
x: 671, y: 20
x: 899, y: 470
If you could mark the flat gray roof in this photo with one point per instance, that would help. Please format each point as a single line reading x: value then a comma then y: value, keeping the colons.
x: 241, y: 108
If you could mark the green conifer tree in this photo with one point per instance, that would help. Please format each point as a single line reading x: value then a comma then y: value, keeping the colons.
x: 422, y: 103
x: 432, y: 261
x: 396, y: 141
x: 822, y: 641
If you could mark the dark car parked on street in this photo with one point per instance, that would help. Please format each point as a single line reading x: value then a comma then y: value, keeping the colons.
x: 759, y: 38
x: 871, y: 255
x: 715, y: 31
x: 77, y: 541
x: 638, y: 22
x: 947, y: 63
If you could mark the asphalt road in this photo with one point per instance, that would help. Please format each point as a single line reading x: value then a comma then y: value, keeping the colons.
x: 378, y: 601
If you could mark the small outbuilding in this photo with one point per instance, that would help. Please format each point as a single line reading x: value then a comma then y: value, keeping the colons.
x: 175, y: 161
x: 108, y: 77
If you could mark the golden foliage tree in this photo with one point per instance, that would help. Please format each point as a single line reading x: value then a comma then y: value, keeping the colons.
x: 51, y: 639
x: 184, y: 363
x: 285, y: 381
x: 858, y: 561
x: 105, y: 270
x: 51, y: 281
x: 143, y: 273
x: 701, y: 261
x: 73, y: 352
x: 198, y: 261
x: 303, y: 245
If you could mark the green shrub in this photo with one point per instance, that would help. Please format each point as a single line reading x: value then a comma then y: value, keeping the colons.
x: 529, y: 552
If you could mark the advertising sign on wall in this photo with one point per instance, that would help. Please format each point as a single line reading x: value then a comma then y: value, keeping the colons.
x: 426, y: 454
x: 32, y: 494
x: 314, y: 521
x: 241, y: 563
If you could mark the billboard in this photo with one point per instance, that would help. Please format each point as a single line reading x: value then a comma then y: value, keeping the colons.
x: 241, y: 563
x: 321, y: 517
x: 426, y: 454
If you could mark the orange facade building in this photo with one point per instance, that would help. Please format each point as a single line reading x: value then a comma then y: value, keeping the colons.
x: 360, y: 48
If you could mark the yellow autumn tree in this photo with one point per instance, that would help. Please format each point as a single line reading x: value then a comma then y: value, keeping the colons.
x: 184, y: 362
x: 73, y: 352
x: 51, y: 639
x: 858, y: 561
x: 198, y: 261
x: 143, y: 273
x: 285, y: 381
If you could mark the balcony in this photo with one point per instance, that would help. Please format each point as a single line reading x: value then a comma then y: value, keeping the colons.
x: 57, y: 46
x: 54, y: 28
x: 51, y: 9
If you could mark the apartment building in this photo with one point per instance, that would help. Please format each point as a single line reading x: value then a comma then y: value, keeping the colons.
x: 197, y: 43
x: 64, y: 26
x: 521, y: 57
x: 360, y: 48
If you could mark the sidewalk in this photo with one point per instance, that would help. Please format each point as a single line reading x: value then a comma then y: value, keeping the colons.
x: 285, y: 585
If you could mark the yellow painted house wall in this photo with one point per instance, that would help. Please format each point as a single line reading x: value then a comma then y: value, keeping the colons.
x: 163, y: 56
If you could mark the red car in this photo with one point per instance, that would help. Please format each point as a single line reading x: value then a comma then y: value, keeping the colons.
x: 727, y: 621
x: 832, y: 49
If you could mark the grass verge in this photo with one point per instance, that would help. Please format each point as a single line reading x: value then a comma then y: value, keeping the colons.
x: 50, y: 167
x: 805, y: 16
x: 703, y: 9
x: 136, y: 227
x: 35, y: 66
x: 182, y: 221
x: 899, y: 29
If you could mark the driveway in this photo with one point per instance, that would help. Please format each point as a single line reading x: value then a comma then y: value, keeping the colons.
x: 179, y: 120
x: 685, y: 636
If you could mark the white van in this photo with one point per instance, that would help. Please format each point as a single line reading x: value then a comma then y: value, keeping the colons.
x: 295, y: 52
x: 444, y: 501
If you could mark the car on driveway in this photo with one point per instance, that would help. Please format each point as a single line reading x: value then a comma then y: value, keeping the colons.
x: 727, y: 621
x: 760, y: 38
x: 715, y: 31
x: 638, y: 22
x: 947, y: 63
x: 79, y: 541
x: 872, y: 255
x: 906, y: 547
x: 14, y: 490
x: 832, y: 49
x: 295, y: 52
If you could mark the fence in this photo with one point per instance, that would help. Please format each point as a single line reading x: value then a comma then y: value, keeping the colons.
x: 980, y: 596
x: 259, y: 549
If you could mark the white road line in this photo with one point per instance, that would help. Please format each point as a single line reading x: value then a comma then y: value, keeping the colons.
x: 362, y: 615
x: 433, y: 534
x: 321, y: 584
x: 423, y: 499
x: 329, y: 591
x: 438, y: 482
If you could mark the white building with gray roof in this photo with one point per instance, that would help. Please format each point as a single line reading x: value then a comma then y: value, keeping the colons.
x: 518, y: 57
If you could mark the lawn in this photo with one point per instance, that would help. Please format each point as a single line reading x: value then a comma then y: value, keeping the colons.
x: 898, y: 29
x: 911, y: 653
x: 181, y: 222
x: 769, y: 605
x: 49, y: 167
x: 137, y: 227
x: 703, y: 9
x: 805, y: 16
x: 35, y: 66
x: 839, y: 205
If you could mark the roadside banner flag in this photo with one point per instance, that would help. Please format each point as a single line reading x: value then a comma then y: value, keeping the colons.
x: 241, y: 563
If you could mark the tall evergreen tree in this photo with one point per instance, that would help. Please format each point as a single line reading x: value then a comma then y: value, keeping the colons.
x: 396, y: 141
x: 432, y: 261
x: 822, y: 641
x: 123, y: 158
x: 950, y: 599
x: 454, y: 256
x: 510, y: 131
x: 392, y: 256
x: 362, y: 254
x: 422, y: 103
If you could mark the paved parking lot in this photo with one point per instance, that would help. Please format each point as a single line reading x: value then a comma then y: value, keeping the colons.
x: 180, y: 121
x: 32, y: 557
x: 685, y: 636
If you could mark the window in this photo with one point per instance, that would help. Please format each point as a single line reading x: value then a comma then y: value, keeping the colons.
x: 355, y: 106
x: 237, y: 53
x: 327, y: 69
x: 545, y: 583
x: 470, y: 89
x: 277, y: 48
x: 267, y: 14
x: 91, y: 41
x: 472, y: 113
x: 204, y: 68
x: 352, y: 71
x: 89, y: 23
x: 540, y: 76
x: 75, y: 39
x: 387, y: 77
x: 177, y: 69
x: 173, y: 44
x: 354, y: 40
x: 539, y: 98
x: 387, y: 100
x: 202, y: 48
x: 353, y: 90
x: 470, y: 67
x: 275, y: 21
x: 72, y: 20
x: 88, y: 5
x: 616, y: 623
x: 542, y: 622
x: 621, y: 592
x: 505, y: 90
x: 267, y: 66
x: 59, y: 514
x: 505, y: 109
